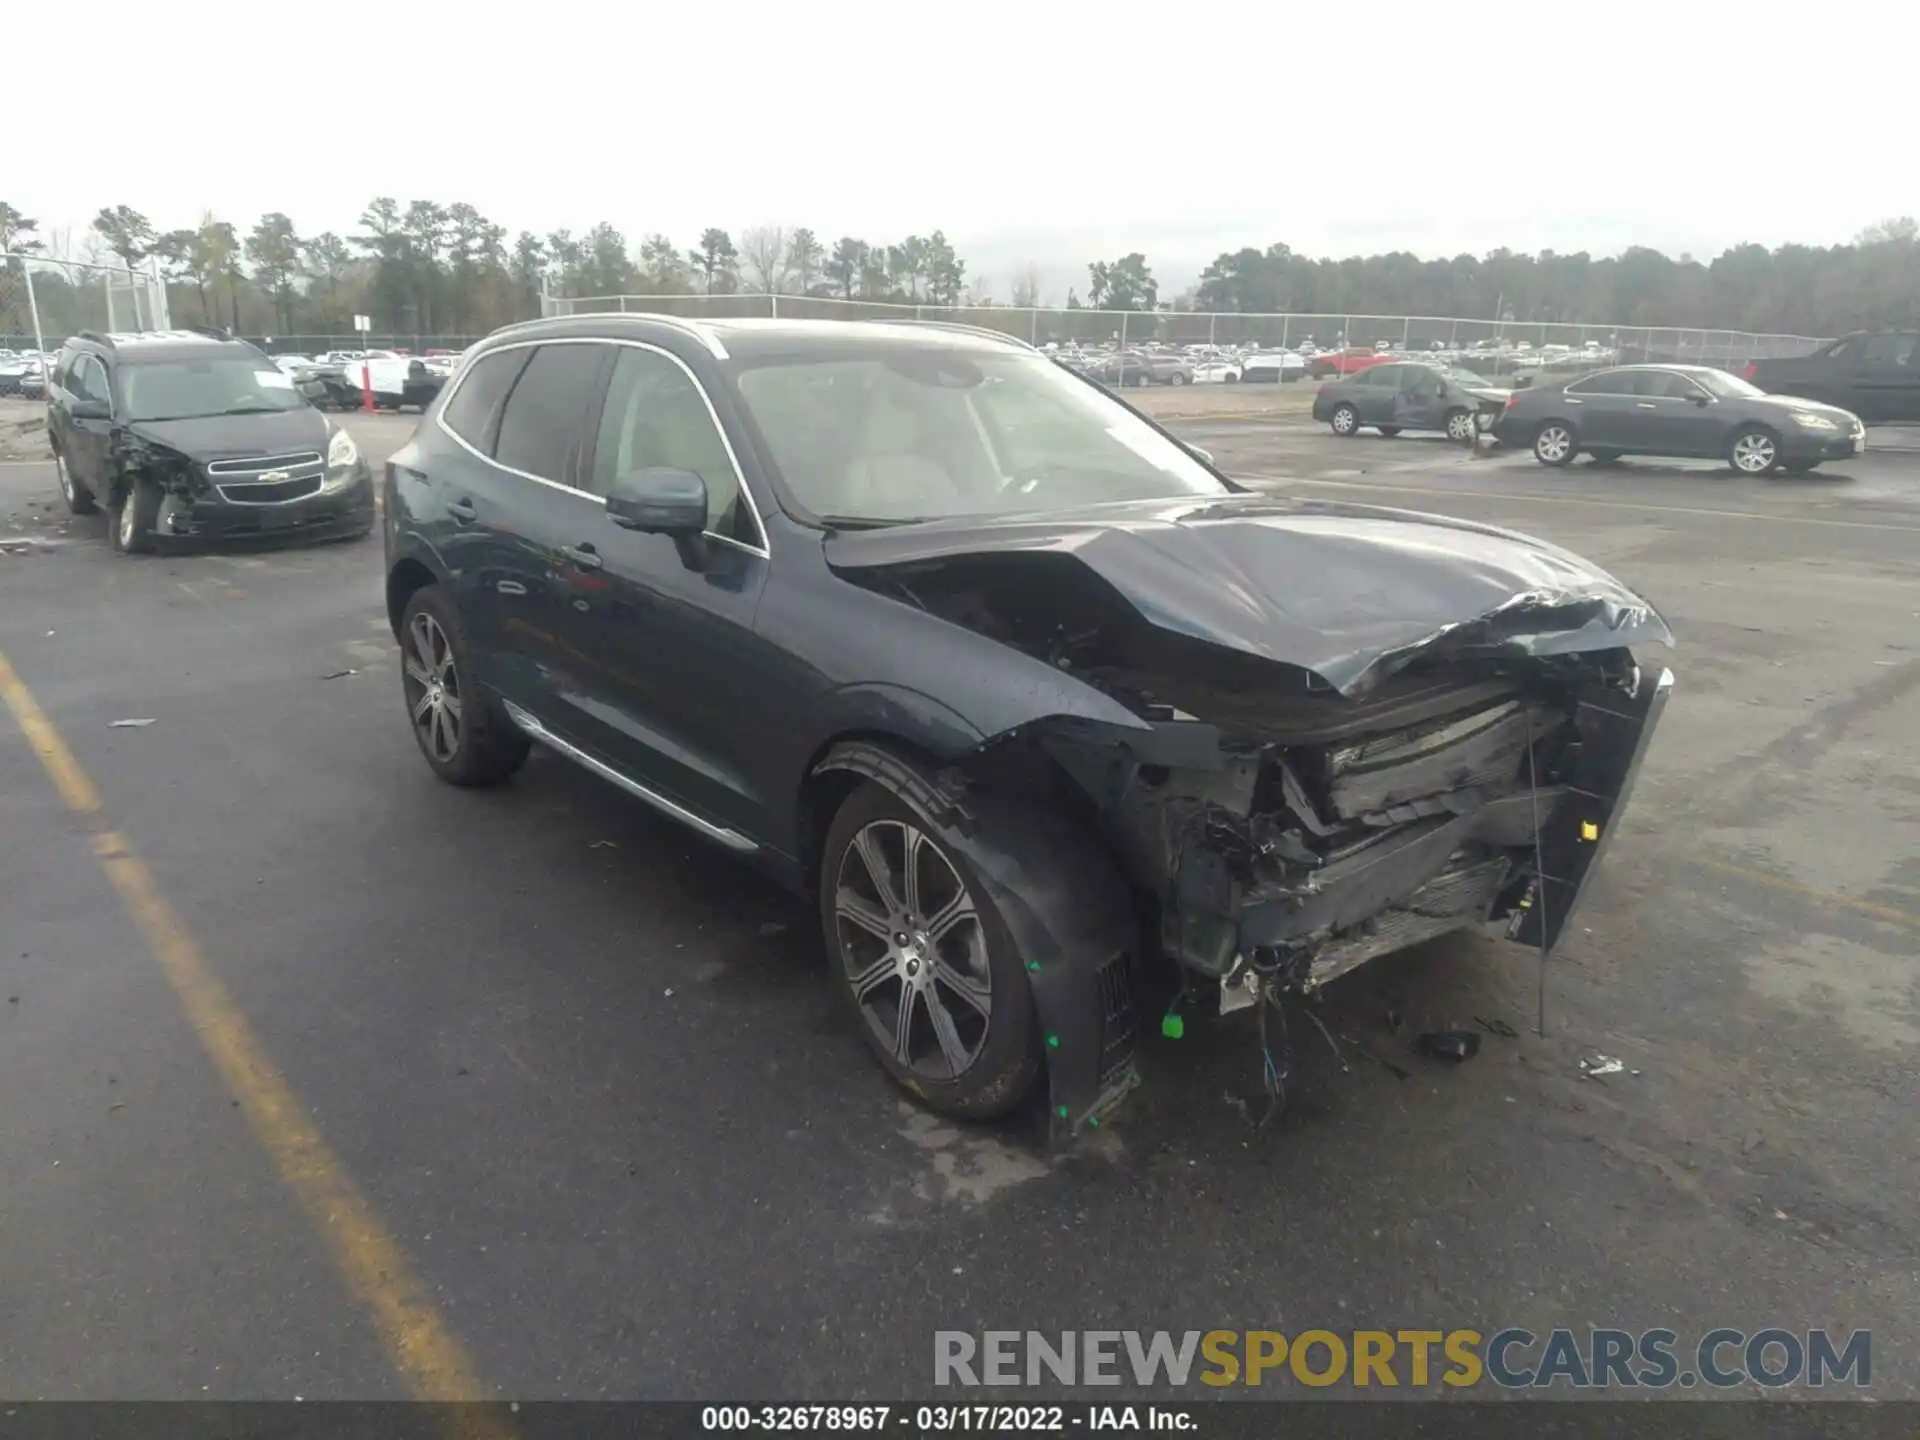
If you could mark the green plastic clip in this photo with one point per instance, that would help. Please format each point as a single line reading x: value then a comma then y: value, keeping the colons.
x: 1173, y: 1026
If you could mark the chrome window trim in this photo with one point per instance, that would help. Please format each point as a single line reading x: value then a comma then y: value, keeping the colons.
x: 453, y: 387
x: 1615, y: 394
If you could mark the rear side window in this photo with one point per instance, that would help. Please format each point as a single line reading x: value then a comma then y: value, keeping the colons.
x: 543, y: 429
x: 1666, y: 385
x: 1607, y: 382
x: 473, y: 410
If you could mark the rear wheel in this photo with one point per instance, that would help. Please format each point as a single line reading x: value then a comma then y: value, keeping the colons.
x: 924, y: 960
x: 1604, y: 457
x: 1754, y: 450
x: 1388, y: 430
x: 1345, y: 420
x: 460, y: 728
x: 79, y: 499
x: 1177, y: 378
x: 1553, y: 444
x: 134, y: 516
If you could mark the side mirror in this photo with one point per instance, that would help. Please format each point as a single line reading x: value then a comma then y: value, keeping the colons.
x: 1703, y: 401
x: 90, y: 410
x: 663, y: 501
x: 659, y: 502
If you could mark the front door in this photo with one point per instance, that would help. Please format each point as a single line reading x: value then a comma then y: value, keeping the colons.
x: 1677, y: 416
x: 671, y: 629
x: 1419, y: 402
x: 86, y: 444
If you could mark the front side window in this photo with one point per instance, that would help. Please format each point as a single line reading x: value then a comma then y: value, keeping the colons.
x: 543, y: 427
x: 913, y: 432
x: 656, y: 417
x: 473, y: 410
x: 1667, y: 385
x: 89, y: 379
x: 1888, y: 350
x: 193, y: 389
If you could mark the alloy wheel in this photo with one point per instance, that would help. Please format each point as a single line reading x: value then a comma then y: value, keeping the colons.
x: 1344, y: 420
x: 1460, y: 426
x: 432, y: 688
x: 66, y: 480
x: 914, y: 948
x: 1553, y: 444
x: 1754, y: 453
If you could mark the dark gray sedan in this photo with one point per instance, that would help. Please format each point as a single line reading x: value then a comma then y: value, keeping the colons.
x: 1411, y: 396
x: 1686, y: 411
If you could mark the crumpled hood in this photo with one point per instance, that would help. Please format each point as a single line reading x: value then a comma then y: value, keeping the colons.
x: 1346, y: 592
x: 232, y: 437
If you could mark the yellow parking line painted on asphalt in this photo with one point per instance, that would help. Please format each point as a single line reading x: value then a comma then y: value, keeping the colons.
x: 421, y: 1347
x: 1891, y: 914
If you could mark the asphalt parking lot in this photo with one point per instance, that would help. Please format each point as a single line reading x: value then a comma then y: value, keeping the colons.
x: 321, y: 1078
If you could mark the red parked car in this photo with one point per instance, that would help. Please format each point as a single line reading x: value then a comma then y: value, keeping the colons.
x: 1350, y: 361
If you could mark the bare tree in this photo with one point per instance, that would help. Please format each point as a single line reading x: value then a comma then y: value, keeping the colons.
x: 1026, y: 286
x: 763, y: 253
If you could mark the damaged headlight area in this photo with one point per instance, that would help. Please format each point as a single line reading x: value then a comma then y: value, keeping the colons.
x: 343, y: 460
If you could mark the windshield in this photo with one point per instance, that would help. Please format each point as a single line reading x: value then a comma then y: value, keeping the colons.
x: 1727, y: 387
x: 190, y: 389
x: 1469, y: 379
x: 921, y: 433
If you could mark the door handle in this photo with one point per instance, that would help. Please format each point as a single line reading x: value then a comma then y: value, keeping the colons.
x: 584, y: 557
x: 463, y: 510
x: 1646, y: 405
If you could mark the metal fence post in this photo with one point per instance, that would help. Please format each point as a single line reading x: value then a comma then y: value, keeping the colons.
x: 1406, y: 330
x: 773, y: 306
x: 1285, y: 322
x: 1033, y: 325
x: 33, y: 310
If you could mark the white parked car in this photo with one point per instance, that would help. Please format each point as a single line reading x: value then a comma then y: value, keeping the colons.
x: 1270, y: 366
x: 1215, y: 372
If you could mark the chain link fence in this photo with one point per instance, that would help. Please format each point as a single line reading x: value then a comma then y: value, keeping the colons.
x: 1507, y: 344
x: 45, y: 301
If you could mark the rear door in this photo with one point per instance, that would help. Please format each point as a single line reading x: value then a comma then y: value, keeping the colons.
x: 1376, y: 393
x: 1888, y: 382
x: 1604, y: 410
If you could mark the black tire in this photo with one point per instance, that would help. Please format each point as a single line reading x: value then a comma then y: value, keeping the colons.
x: 1004, y: 1055
x: 1798, y: 467
x: 1232, y: 379
x: 485, y: 747
x: 1389, y: 430
x: 132, y: 519
x: 1754, y: 451
x: 79, y: 499
x: 1604, y: 457
x: 1177, y: 378
x: 1345, y: 421
x: 1461, y: 427
x: 1554, y: 444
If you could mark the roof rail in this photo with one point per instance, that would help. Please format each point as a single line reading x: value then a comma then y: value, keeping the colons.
x: 983, y: 330
x: 696, y: 328
x: 212, y: 332
x: 96, y: 337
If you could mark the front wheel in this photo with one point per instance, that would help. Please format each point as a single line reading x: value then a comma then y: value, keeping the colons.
x: 1605, y: 457
x: 922, y: 957
x: 459, y: 727
x: 1754, y: 451
x: 1345, y: 420
x: 134, y: 517
x: 1799, y: 467
x: 1553, y: 444
x: 1461, y: 427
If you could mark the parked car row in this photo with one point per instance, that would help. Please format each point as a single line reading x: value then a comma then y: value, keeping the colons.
x: 23, y: 372
x: 1189, y: 365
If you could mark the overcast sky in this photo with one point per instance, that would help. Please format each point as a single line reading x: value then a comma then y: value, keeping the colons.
x: 1022, y: 130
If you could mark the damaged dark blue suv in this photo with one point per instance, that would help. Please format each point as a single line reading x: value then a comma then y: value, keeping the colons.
x: 185, y: 436
x: 1039, y: 711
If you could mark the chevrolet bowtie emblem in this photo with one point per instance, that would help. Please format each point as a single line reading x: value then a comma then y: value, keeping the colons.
x: 274, y: 477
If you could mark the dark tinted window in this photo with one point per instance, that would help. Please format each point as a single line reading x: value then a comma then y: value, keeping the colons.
x: 89, y: 379
x: 1888, y: 350
x: 1607, y: 382
x: 1385, y: 376
x: 657, y: 417
x: 1418, y: 379
x: 543, y: 428
x: 474, y: 405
